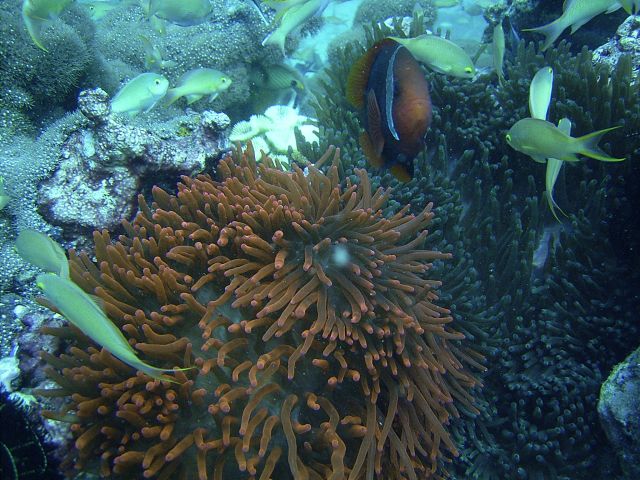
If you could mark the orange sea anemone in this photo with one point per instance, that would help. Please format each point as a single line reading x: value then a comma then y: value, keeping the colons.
x: 309, y: 318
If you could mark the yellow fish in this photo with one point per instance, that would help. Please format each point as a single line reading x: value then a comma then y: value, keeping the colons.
x: 153, y: 57
x: 197, y: 83
x: 540, y: 140
x: 539, y: 100
x: 181, y: 12
x: 79, y: 308
x: 292, y: 18
x: 439, y: 54
x: 575, y: 13
x: 632, y: 7
x: 445, y: 3
x: 41, y: 251
x: 37, y: 13
x: 140, y: 94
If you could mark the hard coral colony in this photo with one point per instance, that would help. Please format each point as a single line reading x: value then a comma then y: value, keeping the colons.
x: 318, y: 348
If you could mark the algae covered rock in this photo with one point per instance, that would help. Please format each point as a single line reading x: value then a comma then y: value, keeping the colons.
x: 619, y: 411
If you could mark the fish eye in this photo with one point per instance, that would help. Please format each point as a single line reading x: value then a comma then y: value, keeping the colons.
x: 157, y: 82
x: 508, y: 137
x: 468, y: 70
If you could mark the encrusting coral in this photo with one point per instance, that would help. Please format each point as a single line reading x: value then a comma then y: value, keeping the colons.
x: 317, y: 346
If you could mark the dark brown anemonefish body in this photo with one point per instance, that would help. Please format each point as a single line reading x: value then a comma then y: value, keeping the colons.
x: 389, y: 85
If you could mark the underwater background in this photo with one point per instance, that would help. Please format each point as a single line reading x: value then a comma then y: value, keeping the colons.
x: 238, y: 283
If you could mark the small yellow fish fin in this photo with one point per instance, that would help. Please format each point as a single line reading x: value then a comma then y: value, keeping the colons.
x: 588, y: 146
x: 193, y: 98
x: 277, y: 38
x: 172, y: 96
x: 615, y: 6
x: 401, y: 173
x: 375, y: 160
x: 553, y: 169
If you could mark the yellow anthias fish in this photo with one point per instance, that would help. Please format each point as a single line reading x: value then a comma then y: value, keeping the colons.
x: 439, y: 54
x: 181, y: 12
x: 41, y: 251
x: 140, y: 94
x: 281, y: 5
x: 79, y: 308
x: 445, y: 3
x: 540, y: 140
x: 498, y: 51
x: 575, y: 13
x: 632, y: 7
x: 36, y: 13
x: 198, y: 83
x: 153, y: 57
x: 539, y: 100
x: 292, y: 18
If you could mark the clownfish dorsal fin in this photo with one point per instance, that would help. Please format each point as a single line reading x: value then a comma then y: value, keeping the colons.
x: 401, y: 172
x: 369, y: 151
x: 359, y: 77
x: 359, y: 74
x: 375, y: 124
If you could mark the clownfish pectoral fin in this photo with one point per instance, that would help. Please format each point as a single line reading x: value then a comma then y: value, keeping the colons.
x: 375, y: 159
x: 374, y: 119
x: 401, y: 172
x: 359, y: 77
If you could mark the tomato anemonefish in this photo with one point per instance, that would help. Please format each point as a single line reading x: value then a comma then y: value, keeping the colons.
x: 389, y: 84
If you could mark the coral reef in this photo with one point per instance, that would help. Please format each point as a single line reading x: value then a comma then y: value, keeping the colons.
x: 229, y: 41
x: 274, y: 132
x: 371, y: 11
x: 104, y: 164
x: 624, y: 43
x: 618, y: 410
x: 310, y: 321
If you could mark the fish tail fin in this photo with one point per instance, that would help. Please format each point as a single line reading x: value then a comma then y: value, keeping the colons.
x: 553, y: 206
x: 553, y: 169
x: 276, y: 38
x: 172, y: 96
x: 551, y: 32
x: 154, y: 372
x: 588, y: 146
x: 34, y: 28
x: 401, y: 172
